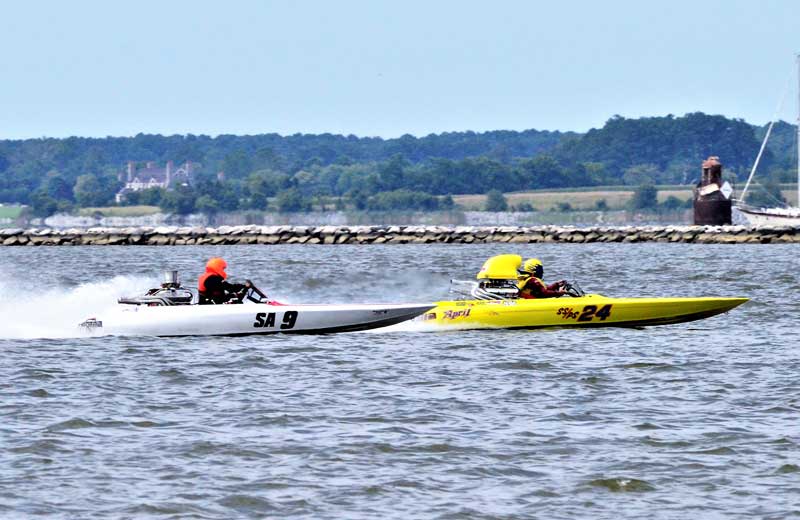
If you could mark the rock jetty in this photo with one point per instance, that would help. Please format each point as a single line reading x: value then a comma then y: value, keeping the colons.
x: 230, y: 235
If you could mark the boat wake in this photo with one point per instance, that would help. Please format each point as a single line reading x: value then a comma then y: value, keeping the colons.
x: 56, y: 313
x: 417, y: 325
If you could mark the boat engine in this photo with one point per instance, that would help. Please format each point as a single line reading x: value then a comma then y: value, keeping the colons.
x: 170, y: 293
x: 499, y: 278
x: 494, y: 289
x: 488, y: 289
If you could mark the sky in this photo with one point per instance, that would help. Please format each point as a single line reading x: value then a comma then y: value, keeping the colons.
x: 381, y: 68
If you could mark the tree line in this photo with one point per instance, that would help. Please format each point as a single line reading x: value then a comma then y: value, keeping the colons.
x: 295, y: 173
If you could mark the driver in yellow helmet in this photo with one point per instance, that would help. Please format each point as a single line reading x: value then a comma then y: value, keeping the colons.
x: 531, y: 285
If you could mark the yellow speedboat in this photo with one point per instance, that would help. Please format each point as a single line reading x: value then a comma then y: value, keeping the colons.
x: 494, y: 304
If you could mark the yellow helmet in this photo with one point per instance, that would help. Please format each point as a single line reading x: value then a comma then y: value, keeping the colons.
x: 534, y: 267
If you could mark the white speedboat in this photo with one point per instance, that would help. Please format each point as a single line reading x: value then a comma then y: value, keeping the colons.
x: 173, y: 311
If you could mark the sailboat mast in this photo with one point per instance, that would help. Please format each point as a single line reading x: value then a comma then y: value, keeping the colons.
x: 798, y: 129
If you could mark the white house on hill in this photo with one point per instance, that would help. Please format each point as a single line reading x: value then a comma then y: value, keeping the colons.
x: 152, y: 176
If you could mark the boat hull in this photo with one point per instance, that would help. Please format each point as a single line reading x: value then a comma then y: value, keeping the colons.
x: 591, y: 310
x: 250, y: 319
x: 771, y: 217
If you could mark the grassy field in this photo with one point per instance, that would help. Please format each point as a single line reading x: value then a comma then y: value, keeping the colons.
x: 616, y: 198
x: 120, y: 211
x: 10, y: 211
x: 579, y: 199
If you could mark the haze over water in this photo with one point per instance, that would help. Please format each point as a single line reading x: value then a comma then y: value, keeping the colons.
x: 696, y: 420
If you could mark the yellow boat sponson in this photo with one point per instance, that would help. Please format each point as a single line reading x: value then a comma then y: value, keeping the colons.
x: 592, y: 310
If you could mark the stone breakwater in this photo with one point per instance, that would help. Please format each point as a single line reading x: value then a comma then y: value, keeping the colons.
x: 230, y: 235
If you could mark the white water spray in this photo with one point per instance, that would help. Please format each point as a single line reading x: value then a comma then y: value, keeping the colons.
x: 56, y: 313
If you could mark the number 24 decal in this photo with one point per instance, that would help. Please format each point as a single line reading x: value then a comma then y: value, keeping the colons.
x: 264, y: 319
x: 590, y: 312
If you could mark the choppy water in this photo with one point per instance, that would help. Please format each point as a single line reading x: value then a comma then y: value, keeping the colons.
x: 699, y: 420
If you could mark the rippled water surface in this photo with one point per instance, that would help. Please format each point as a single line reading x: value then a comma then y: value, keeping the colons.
x: 697, y: 420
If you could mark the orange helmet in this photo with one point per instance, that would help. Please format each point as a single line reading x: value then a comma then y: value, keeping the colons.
x: 217, y: 265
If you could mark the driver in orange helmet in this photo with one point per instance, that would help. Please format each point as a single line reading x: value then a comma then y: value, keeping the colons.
x: 212, y: 285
